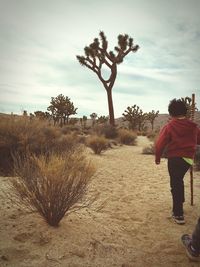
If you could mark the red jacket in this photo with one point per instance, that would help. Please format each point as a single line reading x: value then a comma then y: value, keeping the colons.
x: 180, y: 137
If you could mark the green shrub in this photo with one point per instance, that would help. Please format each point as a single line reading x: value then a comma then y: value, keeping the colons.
x: 97, y: 143
x: 53, y: 186
x: 127, y: 137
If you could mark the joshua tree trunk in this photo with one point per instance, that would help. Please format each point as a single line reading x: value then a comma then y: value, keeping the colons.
x: 110, y: 107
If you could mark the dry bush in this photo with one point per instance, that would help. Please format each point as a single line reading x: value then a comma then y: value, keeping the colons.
x: 67, y: 129
x: 15, y: 135
x: 97, y: 143
x: 127, y: 137
x: 108, y: 131
x: 22, y: 135
x: 152, y: 135
x: 53, y: 186
x: 149, y: 150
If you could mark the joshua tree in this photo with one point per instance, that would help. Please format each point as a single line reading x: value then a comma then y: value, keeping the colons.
x: 83, y: 121
x: 61, y: 108
x: 135, y: 116
x: 93, y: 117
x: 102, y: 119
x: 188, y: 101
x: 151, y: 117
x: 97, y: 57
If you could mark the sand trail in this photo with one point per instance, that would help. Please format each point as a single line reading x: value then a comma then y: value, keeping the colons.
x: 128, y: 225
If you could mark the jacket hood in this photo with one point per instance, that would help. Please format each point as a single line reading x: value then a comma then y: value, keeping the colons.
x: 182, y: 126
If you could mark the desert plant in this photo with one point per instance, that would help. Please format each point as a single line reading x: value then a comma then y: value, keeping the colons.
x: 61, y: 108
x: 151, y: 116
x: 21, y: 136
x: 149, y: 150
x: 97, y: 143
x: 97, y: 57
x: 152, y: 135
x: 53, y: 186
x: 93, y: 117
x: 127, y: 137
x: 107, y: 130
x: 135, y: 117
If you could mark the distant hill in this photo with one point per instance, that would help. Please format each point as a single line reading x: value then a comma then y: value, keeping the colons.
x: 160, y: 121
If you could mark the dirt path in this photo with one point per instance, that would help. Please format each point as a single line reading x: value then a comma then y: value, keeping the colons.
x: 128, y: 226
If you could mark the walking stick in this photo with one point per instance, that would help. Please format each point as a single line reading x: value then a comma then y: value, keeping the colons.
x: 191, y: 167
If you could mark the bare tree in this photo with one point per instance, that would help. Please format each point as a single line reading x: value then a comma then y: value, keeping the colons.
x: 97, y: 57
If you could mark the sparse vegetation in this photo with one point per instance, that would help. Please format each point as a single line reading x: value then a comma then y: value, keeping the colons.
x: 97, y: 143
x: 149, y: 150
x: 127, y: 137
x: 22, y: 135
x: 53, y: 186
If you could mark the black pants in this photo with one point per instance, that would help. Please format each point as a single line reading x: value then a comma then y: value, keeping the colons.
x: 196, y: 237
x: 177, y: 168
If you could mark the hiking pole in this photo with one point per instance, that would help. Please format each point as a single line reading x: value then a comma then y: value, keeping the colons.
x: 191, y: 167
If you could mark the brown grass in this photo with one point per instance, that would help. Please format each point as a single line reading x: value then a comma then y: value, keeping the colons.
x: 97, y: 143
x: 22, y: 135
x: 53, y: 185
x: 127, y: 137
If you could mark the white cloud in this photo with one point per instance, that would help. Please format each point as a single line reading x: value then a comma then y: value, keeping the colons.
x: 39, y: 41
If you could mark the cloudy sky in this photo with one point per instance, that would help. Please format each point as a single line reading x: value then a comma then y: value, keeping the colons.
x: 39, y: 41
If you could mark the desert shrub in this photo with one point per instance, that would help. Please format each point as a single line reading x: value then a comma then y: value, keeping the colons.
x: 53, y: 186
x: 108, y: 131
x: 149, y: 150
x: 127, y: 137
x: 21, y: 135
x: 97, y: 143
x: 152, y: 135
x: 14, y: 136
x: 67, y: 129
x: 197, y: 159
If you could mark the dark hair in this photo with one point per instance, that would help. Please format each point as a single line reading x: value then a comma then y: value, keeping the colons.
x: 177, y: 107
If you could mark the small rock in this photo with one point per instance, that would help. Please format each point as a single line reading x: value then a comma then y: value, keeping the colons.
x: 4, y: 258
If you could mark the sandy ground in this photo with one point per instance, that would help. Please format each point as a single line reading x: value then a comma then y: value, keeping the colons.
x: 128, y: 225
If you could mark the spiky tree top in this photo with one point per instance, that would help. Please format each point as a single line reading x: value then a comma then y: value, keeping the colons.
x: 96, y: 54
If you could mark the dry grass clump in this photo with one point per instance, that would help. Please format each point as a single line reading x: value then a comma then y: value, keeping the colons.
x: 149, y: 150
x: 127, y: 137
x: 108, y: 131
x: 152, y: 135
x: 22, y: 135
x: 53, y: 186
x: 97, y: 143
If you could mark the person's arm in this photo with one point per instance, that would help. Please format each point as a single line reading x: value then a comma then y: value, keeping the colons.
x: 162, y: 141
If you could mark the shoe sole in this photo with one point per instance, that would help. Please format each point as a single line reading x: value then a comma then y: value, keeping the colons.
x: 180, y: 222
x: 192, y: 258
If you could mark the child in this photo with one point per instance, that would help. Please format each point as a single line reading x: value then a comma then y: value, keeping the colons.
x: 192, y: 244
x: 180, y: 136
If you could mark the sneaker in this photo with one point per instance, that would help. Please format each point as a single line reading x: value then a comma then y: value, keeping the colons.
x: 178, y: 219
x: 190, y: 251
